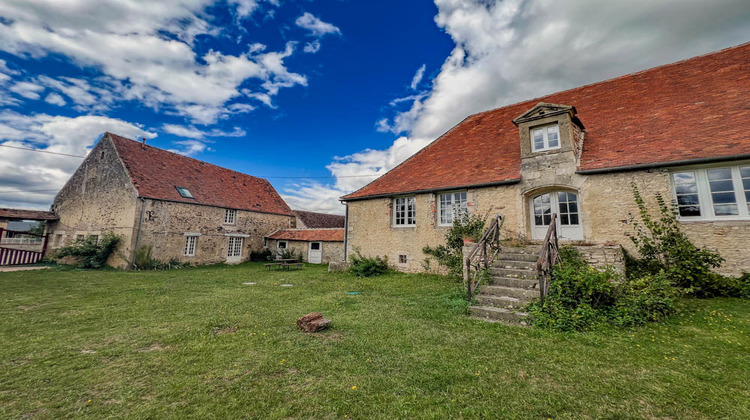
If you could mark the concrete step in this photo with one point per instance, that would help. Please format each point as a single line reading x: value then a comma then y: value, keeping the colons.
x: 519, y: 265
x: 522, y: 249
x: 523, y: 294
x: 516, y: 256
x: 501, y: 301
x: 513, y: 282
x: 505, y: 316
x: 513, y: 273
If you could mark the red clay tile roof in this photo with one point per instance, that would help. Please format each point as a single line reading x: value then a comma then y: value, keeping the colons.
x: 323, y: 235
x: 693, y: 109
x: 320, y: 220
x: 22, y: 214
x: 156, y: 173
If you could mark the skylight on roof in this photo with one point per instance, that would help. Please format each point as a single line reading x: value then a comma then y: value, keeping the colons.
x: 184, y: 192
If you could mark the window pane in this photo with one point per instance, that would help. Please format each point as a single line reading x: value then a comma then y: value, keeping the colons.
x: 690, y: 211
x: 718, y: 174
x: 725, y: 209
x: 723, y: 198
x: 538, y: 140
x: 538, y: 220
x: 745, y: 171
x: 552, y: 136
x: 573, y: 207
x: 573, y: 219
x: 564, y: 219
x: 547, y: 219
x: 685, y: 200
x: 717, y: 186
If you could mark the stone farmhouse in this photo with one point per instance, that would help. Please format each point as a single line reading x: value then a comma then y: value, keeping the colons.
x: 184, y: 208
x: 680, y: 130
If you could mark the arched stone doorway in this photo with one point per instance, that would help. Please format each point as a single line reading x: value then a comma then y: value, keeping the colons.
x: 566, y: 204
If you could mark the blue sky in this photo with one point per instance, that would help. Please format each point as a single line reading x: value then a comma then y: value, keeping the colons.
x: 316, y: 95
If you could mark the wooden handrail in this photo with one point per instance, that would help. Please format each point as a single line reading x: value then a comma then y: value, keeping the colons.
x: 549, y: 256
x: 481, y: 257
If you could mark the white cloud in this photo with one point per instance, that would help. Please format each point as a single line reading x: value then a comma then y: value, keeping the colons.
x: 312, y: 47
x: 190, y: 147
x: 146, y: 51
x: 55, y: 99
x: 27, y: 89
x: 317, y: 27
x: 30, y: 171
x: 417, y: 77
x: 511, y: 50
x: 192, y: 132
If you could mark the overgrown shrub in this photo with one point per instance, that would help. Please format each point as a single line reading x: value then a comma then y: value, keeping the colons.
x: 289, y: 254
x: 582, y: 297
x: 664, y: 247
x: 265, y: 255
x: 450, y: 255
x: 144, y: 260
x: 366, y: 266
x: 91, y: 253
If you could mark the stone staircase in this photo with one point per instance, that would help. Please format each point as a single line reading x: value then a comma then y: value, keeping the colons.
x: 512, y: 284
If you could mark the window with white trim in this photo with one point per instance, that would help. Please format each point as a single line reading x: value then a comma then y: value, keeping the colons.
x: 713, y: 193
x: 190, y: 242
x: 229, y: 216
x: 451, y: 205
x: 235, y: 246
x: 545, y: 138
x: 281, y: 244
x: 405, y: 211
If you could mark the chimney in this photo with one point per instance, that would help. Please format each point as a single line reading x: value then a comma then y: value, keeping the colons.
x: 143, y: 143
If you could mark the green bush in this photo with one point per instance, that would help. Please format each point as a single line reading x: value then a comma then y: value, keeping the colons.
x: 663, y: 247
x: 91, y: 253
x: 289, y: 254
x: 265, y: 255
x: 368, y: 267
x: 581, y: 297
x: 144, y: 260
x: 450, y: 255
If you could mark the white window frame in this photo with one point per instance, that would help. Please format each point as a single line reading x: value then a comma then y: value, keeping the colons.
x: 705, y: 201
x: 545, y: 137
x: 230, y: 217
x: 279, y: 247
x: 234, y: 246
x: 443, y: 221
x: 410, y: 211
x: 191, y: 244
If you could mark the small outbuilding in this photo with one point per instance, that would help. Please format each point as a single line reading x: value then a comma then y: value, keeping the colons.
x: 315, y: 246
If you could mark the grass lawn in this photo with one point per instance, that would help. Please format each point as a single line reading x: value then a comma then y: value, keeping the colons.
x: 197, y: 343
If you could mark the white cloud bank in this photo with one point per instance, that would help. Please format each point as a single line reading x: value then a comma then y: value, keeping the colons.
x: 511, y: 50
x: 145, y: 50
x: 31, y: 180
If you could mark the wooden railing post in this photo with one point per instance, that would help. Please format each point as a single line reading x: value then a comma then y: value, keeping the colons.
x: 44, y: 245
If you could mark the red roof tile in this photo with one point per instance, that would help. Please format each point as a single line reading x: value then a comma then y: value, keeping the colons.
x: 21, y: 214
x: 692, y: 109
x: 324, y: 235
x: 320, y: 220
x: 156, y: 173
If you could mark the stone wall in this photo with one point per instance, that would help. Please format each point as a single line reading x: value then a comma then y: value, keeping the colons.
x: 97, y: 198
x: 332, y: 251
x: 165, y: 224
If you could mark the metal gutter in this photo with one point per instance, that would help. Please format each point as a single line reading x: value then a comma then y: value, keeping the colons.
x: 428, y: 190
x: 645, y: 166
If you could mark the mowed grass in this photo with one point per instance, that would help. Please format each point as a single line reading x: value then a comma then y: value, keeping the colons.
x: 197, y: 343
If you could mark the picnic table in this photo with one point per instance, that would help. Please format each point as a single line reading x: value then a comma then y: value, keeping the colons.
x: 284, y: 263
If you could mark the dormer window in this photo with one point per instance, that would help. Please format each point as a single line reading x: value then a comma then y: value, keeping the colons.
x: 184, y: 192
x: 545, y: 138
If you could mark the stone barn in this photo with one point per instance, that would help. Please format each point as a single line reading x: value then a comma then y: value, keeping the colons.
x: 183, y: 208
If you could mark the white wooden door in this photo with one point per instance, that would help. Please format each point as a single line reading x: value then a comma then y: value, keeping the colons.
x: 234, y: 249
x: 315, y: 253
x: 566, y: 205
